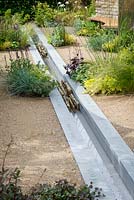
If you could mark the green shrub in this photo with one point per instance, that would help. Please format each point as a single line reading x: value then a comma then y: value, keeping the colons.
x: 43, y: 14
x: 78, y: 24
x: 124, y: 74
x: 112, y: 46
x: 85, y: 28
x: 27, y: 79
x: 63, y: 190
x: 127, y: 54
x: 102, y: 85
x: 5, y: 45
x: 97, y: 41
x: 91, y: 9
x: 82, y: 73
x: 121, y: 41
x: 66, y: 18
x: 126, y: 38
x: 59, y: 37
x: 60, y: 190
x: 112, y: 76
x: 12, y: 34
x: 9, y: 188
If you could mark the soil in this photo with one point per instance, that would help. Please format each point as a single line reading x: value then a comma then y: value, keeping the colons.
x: 118, y: 108
x: 39, y: 148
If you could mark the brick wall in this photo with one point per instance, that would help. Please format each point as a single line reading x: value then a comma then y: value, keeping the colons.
x: 107, y: 8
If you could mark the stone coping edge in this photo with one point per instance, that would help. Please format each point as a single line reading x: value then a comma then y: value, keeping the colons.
x: 118, y: 152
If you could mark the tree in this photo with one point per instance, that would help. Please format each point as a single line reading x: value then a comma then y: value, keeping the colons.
x: 126, y: 13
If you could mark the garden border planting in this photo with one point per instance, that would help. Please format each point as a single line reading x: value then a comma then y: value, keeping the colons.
x: 117, y: 151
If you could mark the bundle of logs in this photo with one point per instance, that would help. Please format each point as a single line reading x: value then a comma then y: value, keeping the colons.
x: 68, y: 96
x: 42, y: 50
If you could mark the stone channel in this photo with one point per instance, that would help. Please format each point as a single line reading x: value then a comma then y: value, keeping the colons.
x: 101, y: 154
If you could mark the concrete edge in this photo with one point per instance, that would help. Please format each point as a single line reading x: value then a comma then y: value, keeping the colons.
x: 118, y: 152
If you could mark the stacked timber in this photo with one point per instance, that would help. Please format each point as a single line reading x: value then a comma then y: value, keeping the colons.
x: 68, y: 96
x: 42, y: 50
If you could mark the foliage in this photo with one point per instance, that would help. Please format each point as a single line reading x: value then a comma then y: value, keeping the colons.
x: 126, y: 38
x: 78, y: 24
x: 91, y: 9
x: 60, y: 190
x: 107, y: 40
x: 104, y: 85
x: 111, y: 46
x: 12, y: 34
x: 85, y: 28
x: 27, y: 7
x: 123, y: 40
x: 108, y: 74
x: 16, y: 6
x: 68, y: 11
x: 63, y: 190
x: 27, y: 79
x: 97, y: 41
x: 20, y: 18
x: 111, y: 76
x: 59, y: 37
x: 73, y: 65
x: 66, y: 18
x: 82, y: 73
x: 9, y: 188
x: 43, y: 14
x: 127, y: 54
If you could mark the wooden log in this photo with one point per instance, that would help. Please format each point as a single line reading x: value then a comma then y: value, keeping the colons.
x: 68, y: 97
x: 61, y: 91
x: 67, y: 103
x: 72, y: 105
x: 76, y: 103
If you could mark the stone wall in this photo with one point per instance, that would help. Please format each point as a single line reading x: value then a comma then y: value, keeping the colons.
x: 107, y: 8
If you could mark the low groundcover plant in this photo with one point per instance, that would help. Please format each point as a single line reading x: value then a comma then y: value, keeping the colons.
x: 27, y: 79
x: 60, y: 190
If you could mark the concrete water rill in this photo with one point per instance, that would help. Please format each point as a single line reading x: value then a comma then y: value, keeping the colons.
x: 106, y: 154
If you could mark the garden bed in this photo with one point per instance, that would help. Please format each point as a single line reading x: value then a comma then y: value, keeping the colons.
x: 39, y: 144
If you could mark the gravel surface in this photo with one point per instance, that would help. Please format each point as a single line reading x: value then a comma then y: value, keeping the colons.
x: 120, y: 111
x: 39, y: 148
